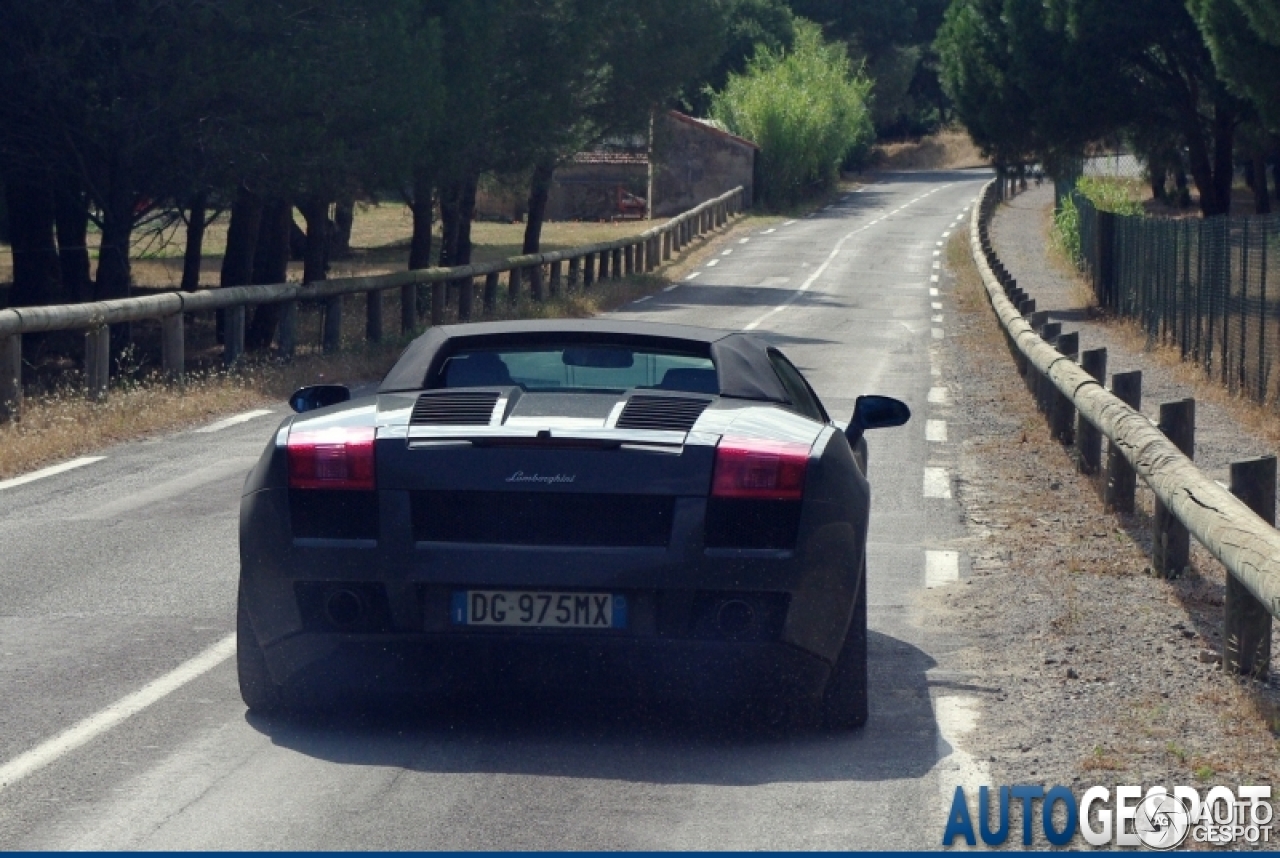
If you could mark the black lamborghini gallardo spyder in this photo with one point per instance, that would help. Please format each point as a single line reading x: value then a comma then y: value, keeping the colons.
x: 608, y: 506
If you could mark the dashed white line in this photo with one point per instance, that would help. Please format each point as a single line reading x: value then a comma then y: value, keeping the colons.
x: 49, y: 471
x: 947, y: 234
x: 935, y: 430
x: 788, y: 223
x: 713, y: 263
x: 769, y: 230
x: 941, y: 568
x: 727, y: 252
x: 938, y: 396
x: 937, y: 483
x: 935, y: 305
x: 233, y: 421
x: 937, y: 266
x: 97, y: 724
x: 933, y: 278
x: 672, y: 287
x: 743, y: 240
x: 937, y: 319
x: 693, y: 275
x: 642, y: 300
x: 938, y: 333
x: 933, y: 293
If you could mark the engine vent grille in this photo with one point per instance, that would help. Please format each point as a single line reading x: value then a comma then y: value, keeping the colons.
x: 667, y: 413
x: 454, y: 408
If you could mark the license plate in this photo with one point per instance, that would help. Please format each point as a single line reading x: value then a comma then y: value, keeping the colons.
x: 526, y: 609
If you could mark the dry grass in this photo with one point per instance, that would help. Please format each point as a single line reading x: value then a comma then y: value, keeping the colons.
x: 60, y: 423
x: 946, y: 150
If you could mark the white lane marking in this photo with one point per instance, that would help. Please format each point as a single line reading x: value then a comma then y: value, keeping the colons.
x: 938, y: 319
x: 957, y: 716
x: 941, y: 568
x: 233, y: 421
x: 788, y: 223
x: 937, y: 266
x: 743, y: 240
x: 936, y: 305
x: 642, y: 300
x: 937, y: 253
x: 693, y: 275
x: 97, y: 724
x: 938, y: 395
x: 937, y: 483
x: 935, y: 430
x: 947, y: 234
x: 939, y: 244
x: 769, y: 230
x: 804, y: 287
x: 933, y: 278
x: 727, y: 252
x: 49, y: 471
x: 933, y: 293
x: 938, y: 333
x: 713, y: 263
x: 672, y: 287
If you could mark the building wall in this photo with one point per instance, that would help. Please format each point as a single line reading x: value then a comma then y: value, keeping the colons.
x: 692, y: 163
x: 590, y: 191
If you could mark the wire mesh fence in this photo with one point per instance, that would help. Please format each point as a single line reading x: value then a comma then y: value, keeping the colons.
x: 1208, y: 287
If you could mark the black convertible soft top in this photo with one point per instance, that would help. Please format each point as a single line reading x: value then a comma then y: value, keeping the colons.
x: 742, y: 362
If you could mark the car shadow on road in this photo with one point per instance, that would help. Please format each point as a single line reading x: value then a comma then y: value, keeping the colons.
x: 647, y: 742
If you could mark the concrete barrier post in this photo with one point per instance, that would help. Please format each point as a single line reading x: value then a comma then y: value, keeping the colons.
x: 1171, y: 543
x: 1247, y: 637
x: 10, y: 377
x: 332, y: 324
x: 173, y: 357
x: 233, y: 335
x: 1088, y: 438
x: 1121, y: 481
x: 97, y: 362
x: 289, y: 328
x: 373, y: 316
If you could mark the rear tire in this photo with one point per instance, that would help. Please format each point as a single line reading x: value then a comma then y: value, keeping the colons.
x: 844, y: 702
x: 258, y: 690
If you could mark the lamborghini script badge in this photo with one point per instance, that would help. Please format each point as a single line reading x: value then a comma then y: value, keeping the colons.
x: 522, y: 477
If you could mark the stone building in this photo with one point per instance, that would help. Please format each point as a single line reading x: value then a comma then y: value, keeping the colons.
x: 692, y: 160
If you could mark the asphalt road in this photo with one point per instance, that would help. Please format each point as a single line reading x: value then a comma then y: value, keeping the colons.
x: 121, y: 726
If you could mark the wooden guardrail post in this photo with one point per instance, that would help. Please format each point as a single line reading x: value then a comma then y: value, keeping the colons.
x: 535, y: 282
x: 97, y: 361
x: 466, y: 298
x: 288, y: 330
x: 11, y: 377
x: 616, y: 265
x: 1027, y: 308
x: 588, y: 270
x: 629, y: 260
x: 173, y: 356
x: 666, y: 245
x: 1247, y: 636
x: 557, y: 269
x: 1121, y: 480
x: 575, y: 271
x: 332, y: 336
x: 1044, y: 388
x: 513, y: 285
x: 373, y: 316
x: 1062, y: 413
x: 490, y: 293
x: 1171, y: 543
x: 233, y: 335
x: 409, y: 308
x: 1088, y: 438
x: 439, y: 292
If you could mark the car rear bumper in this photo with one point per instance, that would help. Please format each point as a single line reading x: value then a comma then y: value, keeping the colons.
x: 609, y: 667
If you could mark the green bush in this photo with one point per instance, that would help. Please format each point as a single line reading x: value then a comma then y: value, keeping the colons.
x: 807, y: 111
x: 1118, y: 196
x: 1066, y: 229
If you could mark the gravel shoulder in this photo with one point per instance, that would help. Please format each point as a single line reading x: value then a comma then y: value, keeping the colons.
x: 1094, y: 671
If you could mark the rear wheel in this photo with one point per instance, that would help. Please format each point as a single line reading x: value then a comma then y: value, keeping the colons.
x: 258, y: 690
x: 844, y: 703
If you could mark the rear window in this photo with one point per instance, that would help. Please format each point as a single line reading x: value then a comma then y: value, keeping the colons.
x: 588, y: 368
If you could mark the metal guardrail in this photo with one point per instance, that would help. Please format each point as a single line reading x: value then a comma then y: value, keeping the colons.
x: 1246, y: 544
x: 587, y: 264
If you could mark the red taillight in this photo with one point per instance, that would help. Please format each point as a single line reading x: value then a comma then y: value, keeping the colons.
x: 760, y: 469
x: 337, y: 458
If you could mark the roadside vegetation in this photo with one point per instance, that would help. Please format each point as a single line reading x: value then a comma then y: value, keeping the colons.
x: 1118, y: 196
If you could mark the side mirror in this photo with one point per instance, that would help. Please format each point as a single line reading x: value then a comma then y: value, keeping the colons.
x: 319, y: 396
x: 876, y: 412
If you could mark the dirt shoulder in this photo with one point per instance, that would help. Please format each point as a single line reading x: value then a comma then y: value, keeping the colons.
x: 1095, y: 672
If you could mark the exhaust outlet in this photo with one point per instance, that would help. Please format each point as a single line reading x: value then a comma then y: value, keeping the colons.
x: 736, y: 618
x: 344, y: 608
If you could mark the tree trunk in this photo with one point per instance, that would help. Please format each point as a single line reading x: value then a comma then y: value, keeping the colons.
x: 114, y: 271
x: 36, y: 275
x: 1224, y: 129
x: 344, y: 215
x: 197, y: 210
x: 270, y: 266
x: 423, y: 208
x: 242, y: 238
x: 450, y: 200
x: 1261, y: 190
x: 539, y: 192
x: 315, y: 211
x: 72, y: 218
x: 466, y: 214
